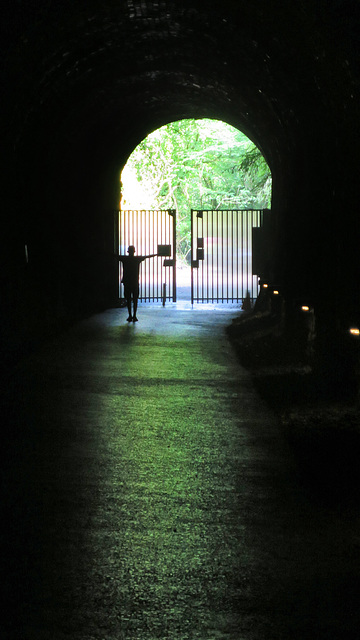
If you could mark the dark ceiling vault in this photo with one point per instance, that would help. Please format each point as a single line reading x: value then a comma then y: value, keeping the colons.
x: 84, y: 82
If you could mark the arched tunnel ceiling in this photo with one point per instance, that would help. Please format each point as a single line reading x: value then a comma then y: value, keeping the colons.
x: 110, y: 72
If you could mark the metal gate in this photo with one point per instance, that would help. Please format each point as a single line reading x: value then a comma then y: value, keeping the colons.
x: 150, y: 231
x: 221, y: 255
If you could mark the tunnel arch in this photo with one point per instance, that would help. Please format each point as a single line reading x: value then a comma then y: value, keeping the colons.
x: 85, y: 80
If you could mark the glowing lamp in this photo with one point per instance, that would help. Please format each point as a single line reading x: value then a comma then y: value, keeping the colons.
x: 276, y: 293
x: 265, y: 286
x: 355, y: 332
x: 305, y: 308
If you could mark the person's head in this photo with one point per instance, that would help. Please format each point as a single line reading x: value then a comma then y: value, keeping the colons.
x: 131, y: 250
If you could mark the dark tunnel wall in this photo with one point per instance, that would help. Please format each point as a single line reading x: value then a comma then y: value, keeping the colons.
x: 84, y: 82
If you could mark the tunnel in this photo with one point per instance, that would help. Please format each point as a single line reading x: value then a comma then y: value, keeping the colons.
x: 84, y: 84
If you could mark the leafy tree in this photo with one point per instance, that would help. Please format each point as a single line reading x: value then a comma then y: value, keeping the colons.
x: 195, y: 164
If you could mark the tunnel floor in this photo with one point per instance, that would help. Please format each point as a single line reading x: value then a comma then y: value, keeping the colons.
x: 149, y: 493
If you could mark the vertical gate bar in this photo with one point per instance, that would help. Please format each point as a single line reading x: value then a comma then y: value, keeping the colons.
x: 227, y: 256
x: 202, y: 261
x: 137, y: 241
x: 241, y: 255
x: 212, y: 255
x: 237, y: 256
x: 241, y: 244
x: 166, y: 241
x: 258, y: 224
x: 248, y: 248
x: 169, y: 236
x: 143, y: 235
x: 217, y: 256
x: 229, y: 215
x: 192, y: 255
x: 198, y: 270
x: 253, y: 224
x: 252, y: 218
x: 150, y: 215
x: 235, y: 253
x: 116, y: 249
x: 167, y: 221
x: 197, y: 290
x: 174, y: 254
x: 155, y: 264
x: 125, y: 236
x: 222, y: 257
x: 149, y: 218
x: 206, y: 256
x: 152, y: 225
x: 213, y: 249
x: 159, y: 217
x: 158, y: 276
x: 146, y: 225
x: 146, y: 245
x: 232, y: 257
x: 143, y: 238
x: 158, y: 236
x: 161, y: 242
x: 244, y: 252
x: 251, y: 280
x: 166, y: 227
x: 121, y: 215
x: 219, y: 270
x: 247, y: 251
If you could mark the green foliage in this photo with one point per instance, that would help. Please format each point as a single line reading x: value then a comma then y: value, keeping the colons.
x: 196, y: 164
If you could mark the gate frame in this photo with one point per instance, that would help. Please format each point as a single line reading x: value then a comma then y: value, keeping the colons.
x: 200, y: 252
x: 167, y: 263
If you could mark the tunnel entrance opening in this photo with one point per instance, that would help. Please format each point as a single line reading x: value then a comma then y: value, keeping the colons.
x: 200, y: 164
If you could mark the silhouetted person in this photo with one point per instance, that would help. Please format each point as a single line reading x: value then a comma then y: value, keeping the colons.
x: 130, y: 279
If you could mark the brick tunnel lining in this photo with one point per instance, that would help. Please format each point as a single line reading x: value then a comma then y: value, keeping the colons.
x: 84, y: 84
x: 84, y: 72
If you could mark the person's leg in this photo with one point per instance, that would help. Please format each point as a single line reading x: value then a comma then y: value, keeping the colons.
x: 128, y: 303
x: 135, y: 301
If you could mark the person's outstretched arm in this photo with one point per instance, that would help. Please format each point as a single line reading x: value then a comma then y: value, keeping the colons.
x: 152, y: 255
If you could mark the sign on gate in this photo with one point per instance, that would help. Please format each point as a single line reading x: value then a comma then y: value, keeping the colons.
x: 221, y: 255
x: 151, y: 231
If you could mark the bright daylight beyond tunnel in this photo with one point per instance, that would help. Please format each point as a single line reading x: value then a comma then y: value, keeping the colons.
x: 207, y: 166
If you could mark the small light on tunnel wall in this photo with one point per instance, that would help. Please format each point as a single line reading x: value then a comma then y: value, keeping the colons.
x: 265, y: 286
x: 275, y: 292
x: 305, y: 308
x: 354, y: 331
